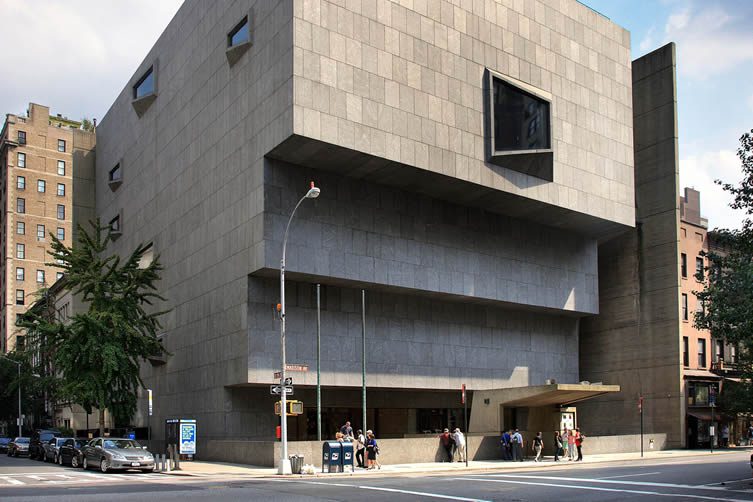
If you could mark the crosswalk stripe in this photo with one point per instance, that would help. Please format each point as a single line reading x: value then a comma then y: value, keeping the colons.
x: 12, y: 481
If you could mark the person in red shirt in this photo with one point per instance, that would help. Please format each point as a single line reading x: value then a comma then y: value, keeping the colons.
x: 447, y: 443
x: 579, y: 443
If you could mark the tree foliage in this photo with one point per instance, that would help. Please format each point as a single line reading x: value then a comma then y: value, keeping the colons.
x: 87, y: 125
x: 728, y: 293
x: 97, y: 352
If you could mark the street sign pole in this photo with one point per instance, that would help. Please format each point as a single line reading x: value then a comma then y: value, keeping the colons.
x: 465, y: 426
x: 363, y: 358
x: 318, y: 363
x: 640, y: 409
x: 149, y: 419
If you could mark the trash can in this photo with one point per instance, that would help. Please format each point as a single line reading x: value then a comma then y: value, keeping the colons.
x: 331, y: 456
x: 296, y: 464
x: 347, y: 455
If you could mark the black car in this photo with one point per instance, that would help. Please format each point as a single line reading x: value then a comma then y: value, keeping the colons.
x: 18, y: 447
x: 70, y: 452
x: 38, y: 438
x: 4, y: 442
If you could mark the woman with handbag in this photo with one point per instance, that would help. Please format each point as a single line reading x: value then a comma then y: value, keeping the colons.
x: 557, y: 446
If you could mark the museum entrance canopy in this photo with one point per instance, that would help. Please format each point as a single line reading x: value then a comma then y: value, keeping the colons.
x: 556, y: 394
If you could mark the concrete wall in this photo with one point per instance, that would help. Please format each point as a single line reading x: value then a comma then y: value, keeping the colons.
x: 406, y: 450
x: 635, y: 340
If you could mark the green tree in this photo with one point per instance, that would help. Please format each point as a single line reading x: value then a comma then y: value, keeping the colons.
x: 87, y: 125
x: 728, y: 293
x: 97, y: 353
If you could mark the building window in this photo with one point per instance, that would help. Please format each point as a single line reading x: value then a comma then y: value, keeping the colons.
x: 684, y: 307
x: 20, y: 205
x: 145, y: 85
x: 61, y: 145
x: 685, y: 352
x: 21, y: 159
x: 701, y: 353
x: 41, y: 186
x: 20, y: 297
x: 20, y: 228
x: 733, y: 354
x: 40, y: 276
x: 115, y: 228
x: 20, y: 273
x: 21, y: 137
x: 718, y: 351
x: 40, y: 232
x: 61, y: 189
x: 698, y: 393
x: 61, y: 234
x: 21, y: 183
x: 58, y: 276
x: 699, y: 268
x: 20, y: 251
x: 240, y: 34
x: 61, y: 212
x: 61, y: 168
x: 684, y: 264
x: 115, y: 177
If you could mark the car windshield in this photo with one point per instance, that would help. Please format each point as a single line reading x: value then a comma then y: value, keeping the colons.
x: 21, y: 440
x: 46, y: 436
x: 80, y: 444
x: 122, y: 444
x: 4, y: 440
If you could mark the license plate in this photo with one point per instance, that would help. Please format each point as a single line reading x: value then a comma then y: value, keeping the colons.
x: 135, y: 464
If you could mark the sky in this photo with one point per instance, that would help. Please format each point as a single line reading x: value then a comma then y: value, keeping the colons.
x: 76, y: 56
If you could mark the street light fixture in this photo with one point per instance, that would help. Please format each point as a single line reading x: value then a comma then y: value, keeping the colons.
x: 285, y: 467
x: 18, y: 363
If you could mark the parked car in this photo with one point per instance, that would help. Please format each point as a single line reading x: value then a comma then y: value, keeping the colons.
x: 52, y: 449
x: 70, y: 452
x: 4, y: 442
x: 116, y: 453
x: 18, y: 447
x: 38, y: 439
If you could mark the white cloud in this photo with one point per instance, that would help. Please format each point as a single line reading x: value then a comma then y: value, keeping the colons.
x: 700, y: 171
x: 711, y: 37
x: 648, y: 43
x: 75, y: 55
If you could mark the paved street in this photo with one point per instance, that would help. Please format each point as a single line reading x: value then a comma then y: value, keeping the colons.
x: 720, y: 477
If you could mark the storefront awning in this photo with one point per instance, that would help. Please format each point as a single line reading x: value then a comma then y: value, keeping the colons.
x: 701, y: 374
x: 557, y: 394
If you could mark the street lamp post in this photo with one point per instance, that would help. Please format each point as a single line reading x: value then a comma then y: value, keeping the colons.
x: 17, y: 363
x: 285, y: 467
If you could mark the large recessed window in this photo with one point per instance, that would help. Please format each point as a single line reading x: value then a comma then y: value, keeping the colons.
x: 520, y: 127
x: 145, y: 85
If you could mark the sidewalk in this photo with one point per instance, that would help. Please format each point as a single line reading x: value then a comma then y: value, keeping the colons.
x: 210, y: 469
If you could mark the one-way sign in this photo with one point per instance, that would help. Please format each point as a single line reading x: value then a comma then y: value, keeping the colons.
x: 275, y: 390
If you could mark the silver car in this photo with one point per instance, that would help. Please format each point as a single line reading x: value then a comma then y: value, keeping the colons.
x: 116, y: 453
x: 52, y: 449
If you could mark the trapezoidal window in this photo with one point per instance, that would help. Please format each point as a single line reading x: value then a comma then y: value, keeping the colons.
x: 238, y: 40
x: 145, y: 90
x: 520, y: 128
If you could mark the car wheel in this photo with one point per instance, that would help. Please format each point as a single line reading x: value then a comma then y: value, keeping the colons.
x: 74, y: 461
x: 85, y: 465
x: 104, y: 465
x: 59, y: 459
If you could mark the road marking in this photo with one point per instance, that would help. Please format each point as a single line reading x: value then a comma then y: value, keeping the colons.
x: 604, y: 489
x: 384, y: 489
x: 613, y: 482
x: 630, y: 475
x: 729, y: 481
x: 12, y: 481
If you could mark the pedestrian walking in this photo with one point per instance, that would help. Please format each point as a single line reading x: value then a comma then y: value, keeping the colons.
x: 447, y: 443
x: 557, y: 446
x: 372, y: 450
x: 579, y: 444
x: 517, y: 446
x: 360, y: 449
x: 506, y: 446
x: 570, y: 433
x: 725, y: 436
x: 538, y: 446
x: 459, y: 445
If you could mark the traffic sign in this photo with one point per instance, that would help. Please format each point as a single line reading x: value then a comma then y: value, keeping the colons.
x: 300, y: 368
x: 276, y: 390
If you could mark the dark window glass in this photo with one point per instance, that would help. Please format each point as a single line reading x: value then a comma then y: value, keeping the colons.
x: 718, y: 351
x: 115, y: 224
x: 239, y: 35
x: 521, y: 120
x: 20, y: 297
x: 144, y: 86
x: 21, y: 183
x: 685, y: 352
x: 684, y: 264
x: 61, y: 212
x: 701, y: 353
x: 115, y: 174
x: 61, y: 145
x: 22, y: 137
x: 20, y: 205
x: 699, y: 268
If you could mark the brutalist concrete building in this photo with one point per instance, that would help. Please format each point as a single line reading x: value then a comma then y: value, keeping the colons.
x: 471, y: 156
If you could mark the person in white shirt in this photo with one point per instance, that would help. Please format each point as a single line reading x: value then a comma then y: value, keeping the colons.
x: 360, y: 448
x: 459, y: 445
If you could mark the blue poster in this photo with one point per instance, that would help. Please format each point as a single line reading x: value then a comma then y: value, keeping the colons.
x: 188, y: 438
